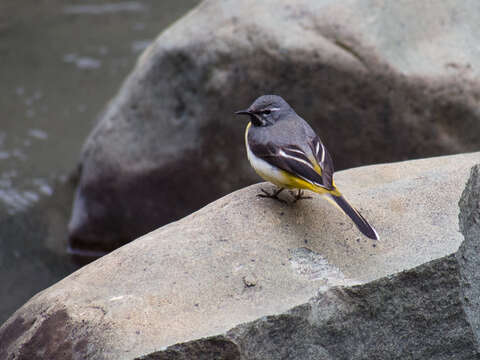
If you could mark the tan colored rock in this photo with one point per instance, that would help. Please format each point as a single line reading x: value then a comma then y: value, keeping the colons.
x: 241, y: 258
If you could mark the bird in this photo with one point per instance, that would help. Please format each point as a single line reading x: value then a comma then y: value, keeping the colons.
x: 285, y: 151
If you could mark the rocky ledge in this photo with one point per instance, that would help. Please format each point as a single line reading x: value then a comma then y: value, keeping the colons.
x: 252, y: 278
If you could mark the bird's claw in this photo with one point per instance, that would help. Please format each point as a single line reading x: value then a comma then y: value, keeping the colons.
x: 299, y: 196
x: 273, y: 195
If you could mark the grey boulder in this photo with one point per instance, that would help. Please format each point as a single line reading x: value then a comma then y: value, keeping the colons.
x: 378, y: 81
x: 248, y: 278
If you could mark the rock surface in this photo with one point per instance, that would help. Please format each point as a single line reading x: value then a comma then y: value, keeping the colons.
x: 244, y: 259
x: 468, y: 255
x: 379, y: 81
x: 397, y: 317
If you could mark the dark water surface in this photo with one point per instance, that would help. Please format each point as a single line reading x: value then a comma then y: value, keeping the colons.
x: 60, y: 63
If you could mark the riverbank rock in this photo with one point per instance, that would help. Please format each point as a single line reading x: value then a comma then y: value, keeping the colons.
x: 396, y: 317
x: 379, y: 81
x: 245, y: 271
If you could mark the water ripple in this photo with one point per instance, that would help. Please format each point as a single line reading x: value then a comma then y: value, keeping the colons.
x: 99, y: 9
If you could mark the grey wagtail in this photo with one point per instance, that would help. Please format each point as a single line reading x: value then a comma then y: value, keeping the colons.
x: 284, y: 150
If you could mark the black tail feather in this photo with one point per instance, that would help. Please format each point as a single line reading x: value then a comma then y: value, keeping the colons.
x: 356, y: 217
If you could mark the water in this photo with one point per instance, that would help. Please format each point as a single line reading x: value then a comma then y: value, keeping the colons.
x: 60, y: 63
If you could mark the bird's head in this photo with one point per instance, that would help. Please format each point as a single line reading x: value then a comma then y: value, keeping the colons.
x: 266, y: 110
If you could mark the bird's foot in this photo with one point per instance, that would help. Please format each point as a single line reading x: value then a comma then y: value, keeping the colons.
x: 273, y: 195
x: 299, y: 196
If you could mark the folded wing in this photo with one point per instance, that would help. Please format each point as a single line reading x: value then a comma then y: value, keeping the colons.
x: 313, y: 165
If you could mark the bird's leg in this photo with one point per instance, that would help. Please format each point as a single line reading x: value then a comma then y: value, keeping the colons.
x: 273, y: 195
x: 299, y: 196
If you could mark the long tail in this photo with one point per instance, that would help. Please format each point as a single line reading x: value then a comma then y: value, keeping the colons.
x: 356, y: 217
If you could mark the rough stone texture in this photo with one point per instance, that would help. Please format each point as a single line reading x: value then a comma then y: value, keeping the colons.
x: 469, y: 253
x: 379, y: 81
x: 417, y: 314
x: 243, y: 259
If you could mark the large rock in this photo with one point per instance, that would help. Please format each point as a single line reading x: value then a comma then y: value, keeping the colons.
x: 468, y: 256
x: 242, y: 258
x: 379, y: 81
x: 397, y: 317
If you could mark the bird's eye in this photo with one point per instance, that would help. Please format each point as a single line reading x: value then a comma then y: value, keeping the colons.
x: 266, y: 112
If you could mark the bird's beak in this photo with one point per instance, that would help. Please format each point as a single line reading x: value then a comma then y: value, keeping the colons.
x: 243, y: 112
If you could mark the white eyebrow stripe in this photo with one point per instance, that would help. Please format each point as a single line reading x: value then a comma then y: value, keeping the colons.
x: 282, y: 153
x: 274, y: 109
